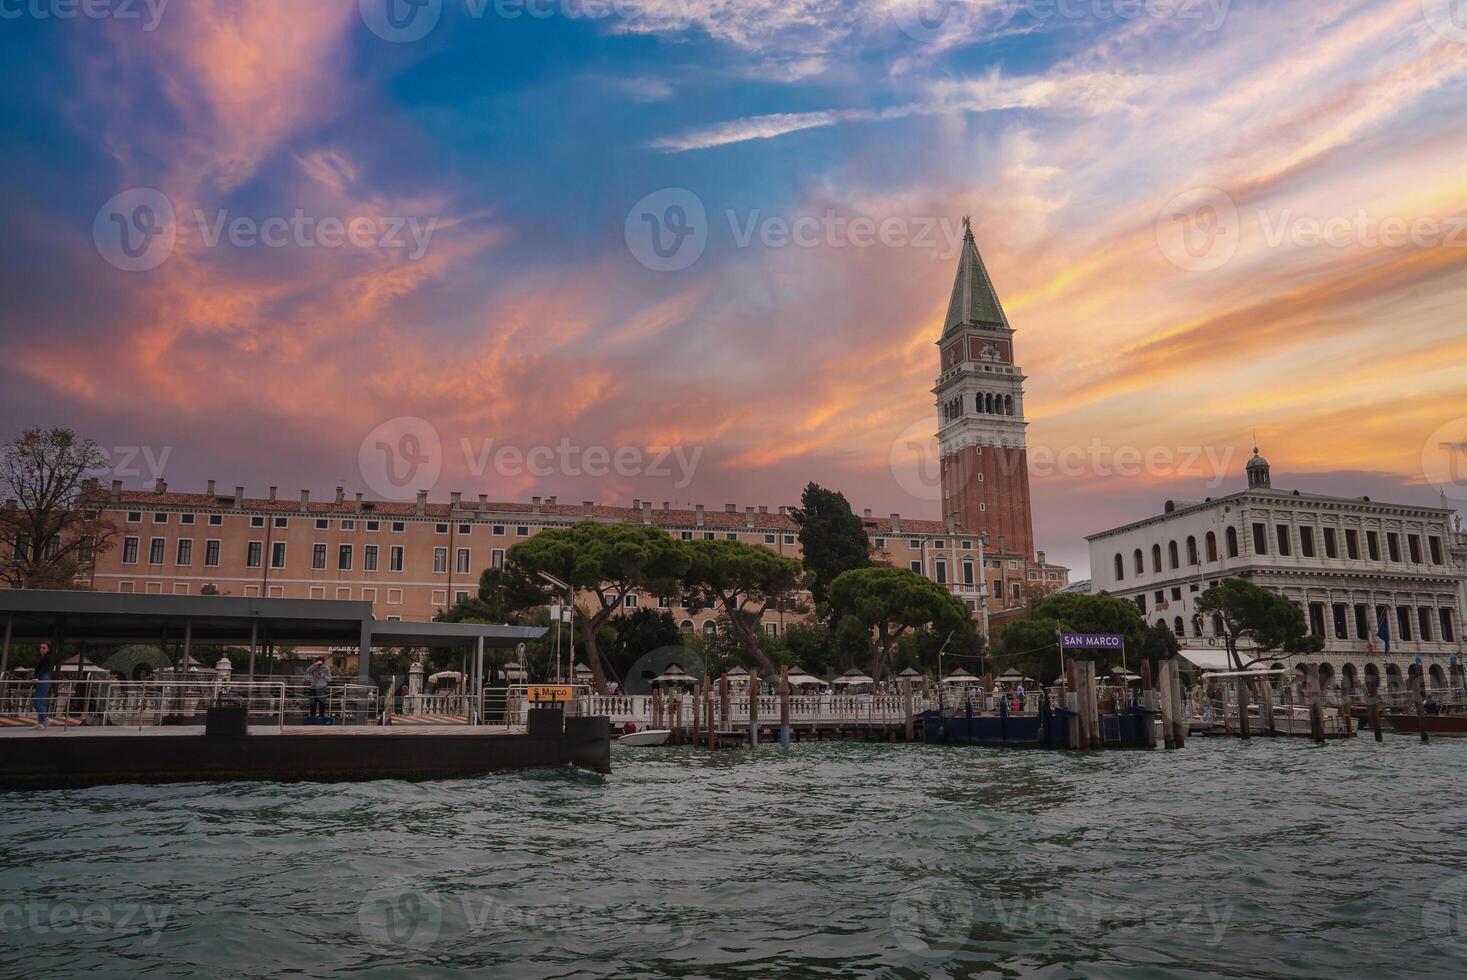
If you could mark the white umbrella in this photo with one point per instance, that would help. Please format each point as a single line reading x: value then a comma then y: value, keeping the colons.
x: 852, y: 678
x: 674, y: 675
x: 960, y: 676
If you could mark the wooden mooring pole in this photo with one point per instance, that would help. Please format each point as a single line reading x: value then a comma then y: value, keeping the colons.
x: 753, y: 708
x: 1244, y: 728
x: 711, y: 716
x: 907, y: 710
x: 1265, y: 694
x: 1316, y: 710
x: 1147, y: 731
x: 1164, y: 670
x: 1418, y: 689
x: 1372, y: 706
x: 725, y: 717
x: 784, y: 706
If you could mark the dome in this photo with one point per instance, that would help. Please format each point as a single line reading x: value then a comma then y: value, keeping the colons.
x: 1257, y: 462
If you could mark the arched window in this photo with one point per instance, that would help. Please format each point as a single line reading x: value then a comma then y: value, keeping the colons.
x: 686, y: 626
x: 991, y: 410
x: 710, y: 628
x: 1192, y: 558
x: 1008, y: 404
x: 1120, y: 568
x: 978, y: 399
x: 1196, y: 624
x: 1140, y: 562
x: 1232, y: 542
x: 1178, y: 627
x: 1211, y: 540
x: 1156, y: 558
x: 1171, y: 554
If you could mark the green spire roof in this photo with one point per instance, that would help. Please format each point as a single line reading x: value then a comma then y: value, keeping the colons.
x: 974, y: 300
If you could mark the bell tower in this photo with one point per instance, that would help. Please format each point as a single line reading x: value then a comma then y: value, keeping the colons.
x: 980, y: 413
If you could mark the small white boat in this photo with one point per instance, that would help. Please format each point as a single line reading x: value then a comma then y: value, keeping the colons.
x: 652, y: 736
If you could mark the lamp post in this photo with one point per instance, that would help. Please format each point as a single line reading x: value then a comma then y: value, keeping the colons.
x: 571, y: 613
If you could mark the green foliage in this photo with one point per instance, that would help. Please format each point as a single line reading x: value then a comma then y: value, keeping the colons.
x: 628, y: 637
x: 963, y: 647
x: 1159, y: 642
x: 1031, y: 644
x: 743, y: 581
x: 1260, y: 615
x: 884, y: 603
x: 832, y: 539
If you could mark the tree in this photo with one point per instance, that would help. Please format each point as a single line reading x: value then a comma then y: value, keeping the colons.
x: 832, y: 539
x: 920, y: 648
x: 1159, y: 642
x: 53, y: 533
x: 605, y: 562
x: 1031, y: 644
x: 644, y: 630
x: 744, y: 581
x: 886, y: 603
x: 1263, y: 617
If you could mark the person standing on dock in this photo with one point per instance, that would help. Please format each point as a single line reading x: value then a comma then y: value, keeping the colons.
x: 42, y: 699
x: 320, y: 676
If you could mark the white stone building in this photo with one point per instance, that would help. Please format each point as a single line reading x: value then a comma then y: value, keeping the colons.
x: 1348, y: 563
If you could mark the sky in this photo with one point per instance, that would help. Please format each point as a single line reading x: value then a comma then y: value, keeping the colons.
x: 700, y: 250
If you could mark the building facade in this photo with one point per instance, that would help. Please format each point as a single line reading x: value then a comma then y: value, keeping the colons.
x: 1349, y: 564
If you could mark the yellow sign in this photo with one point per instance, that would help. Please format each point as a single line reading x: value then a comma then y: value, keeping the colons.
x: 548, y: 692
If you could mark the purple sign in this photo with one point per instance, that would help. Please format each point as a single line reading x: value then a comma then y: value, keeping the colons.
x: 1092, y: 641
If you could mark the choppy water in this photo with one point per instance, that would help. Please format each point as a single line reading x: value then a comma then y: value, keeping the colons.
x: 1274, y: 858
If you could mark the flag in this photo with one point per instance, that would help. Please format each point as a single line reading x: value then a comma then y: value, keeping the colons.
x: 1383, y: 630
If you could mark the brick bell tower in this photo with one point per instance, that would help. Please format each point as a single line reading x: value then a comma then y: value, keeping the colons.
x: 980, y: 413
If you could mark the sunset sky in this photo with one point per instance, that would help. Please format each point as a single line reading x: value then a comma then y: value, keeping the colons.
x: 1145, y: 188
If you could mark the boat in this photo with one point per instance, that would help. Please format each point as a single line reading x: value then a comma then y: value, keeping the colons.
x: 650, y: 736
x: 1406, y: 723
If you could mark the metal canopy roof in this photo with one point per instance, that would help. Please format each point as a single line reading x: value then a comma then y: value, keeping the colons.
x: 114, y: 617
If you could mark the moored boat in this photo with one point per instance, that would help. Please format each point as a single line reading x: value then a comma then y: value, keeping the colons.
x: 1406, y: 723
x: 651, y: 736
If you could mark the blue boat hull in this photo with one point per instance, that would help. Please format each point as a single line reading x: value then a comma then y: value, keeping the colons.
x: 1045, y: 730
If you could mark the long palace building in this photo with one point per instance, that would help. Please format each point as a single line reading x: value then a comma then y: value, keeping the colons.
x: 412, y: 559
x: 1358, y: 569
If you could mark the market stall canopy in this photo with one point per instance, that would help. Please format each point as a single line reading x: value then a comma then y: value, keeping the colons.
x: 674, y: 675
x: 910, y: 675
x: 960, y: 676
x: 852, y: 678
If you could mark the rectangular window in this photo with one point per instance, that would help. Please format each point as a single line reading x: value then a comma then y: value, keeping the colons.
x: 967, y: 546
x: 1403, y: 621
x: 134, y: 517
x: 941, y: 567
x: 216, y: 520
x: 789, y: 539
x: 1449, y: 633
x: 708, y: 535
x: 1283, y: 539
x: 1342, y: 621
x: 318, y: 557
x: 254, y: 554
x: 1413, y: 548
x: 1260, y: 539
x: 938, y: 544
x: 730, y: 536
x: 374, y: 525
x: 462, y: 562
x: 277, y: 554
x: 1306, y: 542
x: 460, y: 596
x: 1331, y: 545
x: 211, y: 553
x: 155, y: 551
x: 1393, y: 545
x: 915, y: 544
x: 318, y: 592
x: 322, y: 523
x: 1316, y: 618
x: 369, y: 558
x: 769, y: 539
x: 394, y: 597
x: 282, y: 522
x: 1435, y: 544
x: 369, y: 595
x: 185, y: 518
x: 967, y: 573
x: 440, y: 528
x: 399, y: 526
x: 343, y: 558
x: 916, y: 566
x: 496, y: 558
x: 497, y: 529
x: 1372, y: 545
x: 1423, y: 620
x: 522, y: 532
x: 395, y: 558
x: 343, y: 593
x: 440, y: 561
x: 129, y: 551
x: 465, y: 528
x: 160, y: 518
x: 630, y: 601
x: 348, y: 525
x: 257, y: 521
x: 1352, y: 544
x: 687, y: 535
x: 1362, y: 621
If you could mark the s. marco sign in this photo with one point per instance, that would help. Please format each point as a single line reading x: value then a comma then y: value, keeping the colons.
x: 1092, y: 641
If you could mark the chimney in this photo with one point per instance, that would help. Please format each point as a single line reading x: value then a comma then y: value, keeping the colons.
x: 748, y: 517
x: 588, y: 508
x: 730, y: 508
x: 305, y: 501
x: 211, y: 488
x: 340, y: 496
x: 422, y: 508
x: 646, y: 512
x: 763, y: 510
x: 699, y: 511
x: 117, y: 491
x: 896, y: 523
x: 535, y: 505
x: 273, y: 491
x: 666, y: 506
x: 551, y: 500
x: 1041, y: 558
x: 483, y: 501
x: 239, y: 498
x: 866, y: 513
x: 456, y: 499
x: 781, y: 510
x: 359, y: 502
x: 159, y: 486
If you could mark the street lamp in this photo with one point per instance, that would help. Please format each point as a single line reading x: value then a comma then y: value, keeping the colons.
x: 570, y: 602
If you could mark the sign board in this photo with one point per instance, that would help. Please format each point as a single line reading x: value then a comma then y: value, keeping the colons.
x: 1092, y: 641
x: 548, y: 692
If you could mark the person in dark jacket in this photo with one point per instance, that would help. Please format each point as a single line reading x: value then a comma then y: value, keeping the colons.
x: 42, y: 699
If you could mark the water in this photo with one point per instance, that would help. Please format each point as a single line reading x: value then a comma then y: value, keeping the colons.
x: 1273, y: 858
